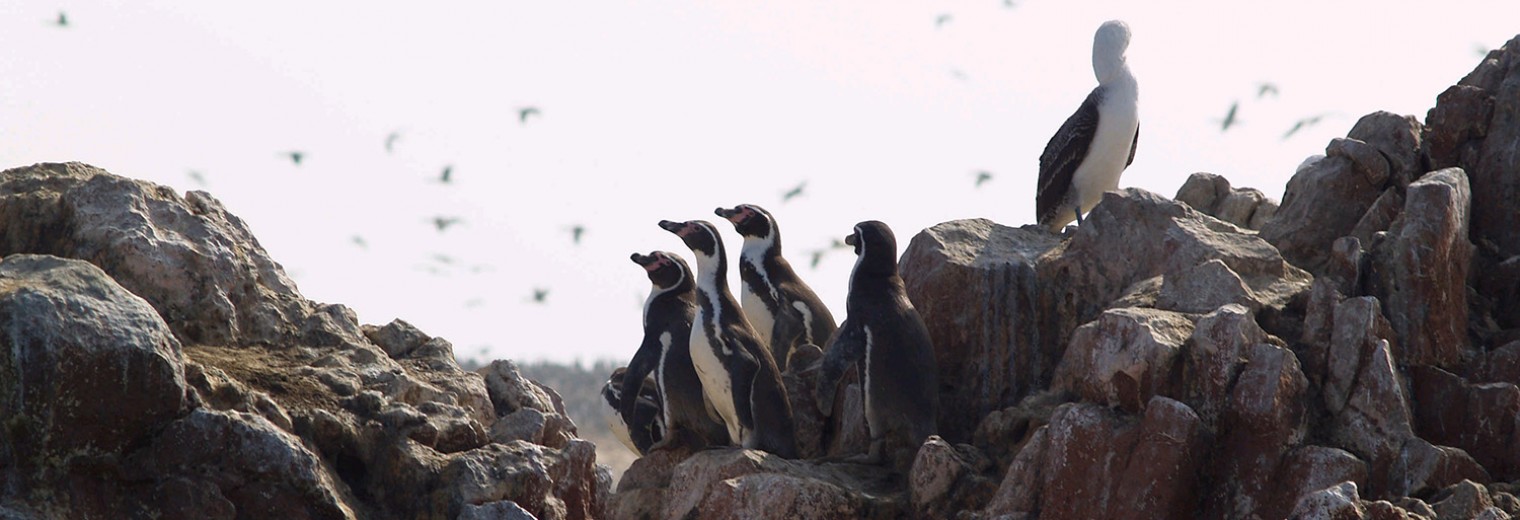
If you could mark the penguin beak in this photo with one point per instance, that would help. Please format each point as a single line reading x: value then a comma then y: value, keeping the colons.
x: 732, y: 215
x: 641, y: 259
x: 850, y: 240
x: 673, y: 227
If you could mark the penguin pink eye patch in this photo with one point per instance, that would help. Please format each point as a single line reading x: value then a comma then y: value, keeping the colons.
x: 659, y: 262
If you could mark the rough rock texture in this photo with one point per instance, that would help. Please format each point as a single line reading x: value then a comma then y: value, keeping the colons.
x: 1211, y: 194
x: 974, y: 283
x: 157, y: 363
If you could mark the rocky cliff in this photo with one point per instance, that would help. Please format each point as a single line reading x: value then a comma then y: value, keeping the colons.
x: 1351, y: 353
x: 158, y: 364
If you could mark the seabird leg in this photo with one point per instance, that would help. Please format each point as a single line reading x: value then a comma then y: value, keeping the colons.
x: 1078, y: 210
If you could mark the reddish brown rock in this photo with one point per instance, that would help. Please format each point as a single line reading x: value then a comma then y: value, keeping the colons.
x: 1339, y: 502
x: 1214, y: 358
x: 1124, y: 357
x: 1423, y: 468
x: 1307, y: 469
x: 1212, y: 195
x: 974, y: 283
x: 1263, y: 421
x: 736, y: 483
x: 1421, y: 271
x: 1480, y: 419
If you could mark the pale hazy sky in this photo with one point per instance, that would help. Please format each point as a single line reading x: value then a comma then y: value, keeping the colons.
x: 654, y: 110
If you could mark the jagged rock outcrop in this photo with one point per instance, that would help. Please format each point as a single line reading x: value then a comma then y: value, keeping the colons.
x: 156, y: 363
x: 1357, y: 357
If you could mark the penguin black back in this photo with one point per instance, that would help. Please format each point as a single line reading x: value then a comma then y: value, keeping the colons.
x: 885, y: 338
x: 665, y: 352
x: 783, y: 309
x: 739, y: 376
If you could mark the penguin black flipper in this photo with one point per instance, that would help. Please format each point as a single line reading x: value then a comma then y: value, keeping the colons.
x: 642, y: 364
x: 789, y: 329
x: 847, y: 347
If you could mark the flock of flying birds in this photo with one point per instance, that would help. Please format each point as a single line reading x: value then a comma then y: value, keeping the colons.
x: 577, y: 232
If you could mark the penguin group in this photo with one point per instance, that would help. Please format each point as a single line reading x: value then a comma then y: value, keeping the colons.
x: 709, y: 371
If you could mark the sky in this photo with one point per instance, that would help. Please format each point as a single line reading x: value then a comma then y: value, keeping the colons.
x: 666, y: 110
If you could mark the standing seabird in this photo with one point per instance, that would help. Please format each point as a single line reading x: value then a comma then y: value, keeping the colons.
x: 1095, y: 145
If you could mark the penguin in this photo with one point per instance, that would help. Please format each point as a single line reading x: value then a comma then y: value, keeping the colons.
x: 665, y: 352
x: 884, y: 337
x: 784, y: 311
x: 738, y: 374
x: 1095, y: 145
x: 647, y: 424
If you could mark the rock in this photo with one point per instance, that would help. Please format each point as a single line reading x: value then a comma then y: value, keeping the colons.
x: 1212, y: 195
x: 1133, y: 236
x: 737, y: 483
x: 1480, y: 419
x: 1322, y: 202
x: 1124, y: 357
x: 1019, y: 493
x: 500, y: 510
x: 945, y: 479
x: 87, y: 371
x: 1381, y: 216
x: 186, y: 378
x: 1363, y: 390
x: 1203, y: 288
x: 1397, y: 139
x: 1421, y: 271
x: 260, y: 470
x: 1338, y: 502
x: 398, y: 337
x: 1307, y: 469
x: 1214, y: 357
x: 194, y: 262
x: 1465, y: 499
x: 1364, y: 157
x: 1424, y: 468
x: 1495, y: 186
x: 1264, y: 419
x: 1456, y: 126
x: 974, y: 283
x: 1161, y: 478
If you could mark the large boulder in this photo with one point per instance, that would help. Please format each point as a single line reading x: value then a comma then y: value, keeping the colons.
x: 974, y: 283
x: 1421, y: 270
x: 87, y: 372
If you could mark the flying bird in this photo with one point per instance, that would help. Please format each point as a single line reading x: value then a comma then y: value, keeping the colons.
x: 540, y: 295
x: 448, y: 174
x: 196, y: 176
x: 443, y: 259
x: 443, y: 223
x: 1264, y: 88
x: 296, y: 156
x: 359, y: 241
x: 63, y: 19
x: 1229, y: 118
x: 575, y: 233
x: 942, y: 20
x: 1302, y: 124
x: 793, y: 193
x: 525, y: 112
x: 390, y: 141
x: 982, y: 176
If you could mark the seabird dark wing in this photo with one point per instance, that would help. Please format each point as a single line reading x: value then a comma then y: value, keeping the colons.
x: 1133, y: 145
x: 643, y: 362
x: 1063, y: 154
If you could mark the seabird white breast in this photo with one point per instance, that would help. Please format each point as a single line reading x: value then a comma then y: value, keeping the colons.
x: 1094, y: 146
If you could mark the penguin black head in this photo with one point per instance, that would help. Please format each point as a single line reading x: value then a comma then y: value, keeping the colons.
x: 875, y: 247
x: 699, y: 235
x: 750, y: 221
x: 665, y: 270
x: 612, y: 391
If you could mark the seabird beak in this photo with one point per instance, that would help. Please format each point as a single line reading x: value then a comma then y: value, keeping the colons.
x: 673, y: 227
x: 850, y: 240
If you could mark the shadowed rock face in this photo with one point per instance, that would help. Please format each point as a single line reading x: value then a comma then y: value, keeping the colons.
x: 157, y: 363
x: 1358, y: 357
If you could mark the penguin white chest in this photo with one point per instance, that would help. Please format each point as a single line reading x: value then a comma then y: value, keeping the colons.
x: 717, y: 385
x: 759, y: 316
x: 618, y: 427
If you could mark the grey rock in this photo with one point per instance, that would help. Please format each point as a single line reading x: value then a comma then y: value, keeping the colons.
x: 1422, y: 271
x: 1124, y: 357
x: 1339, y: 502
